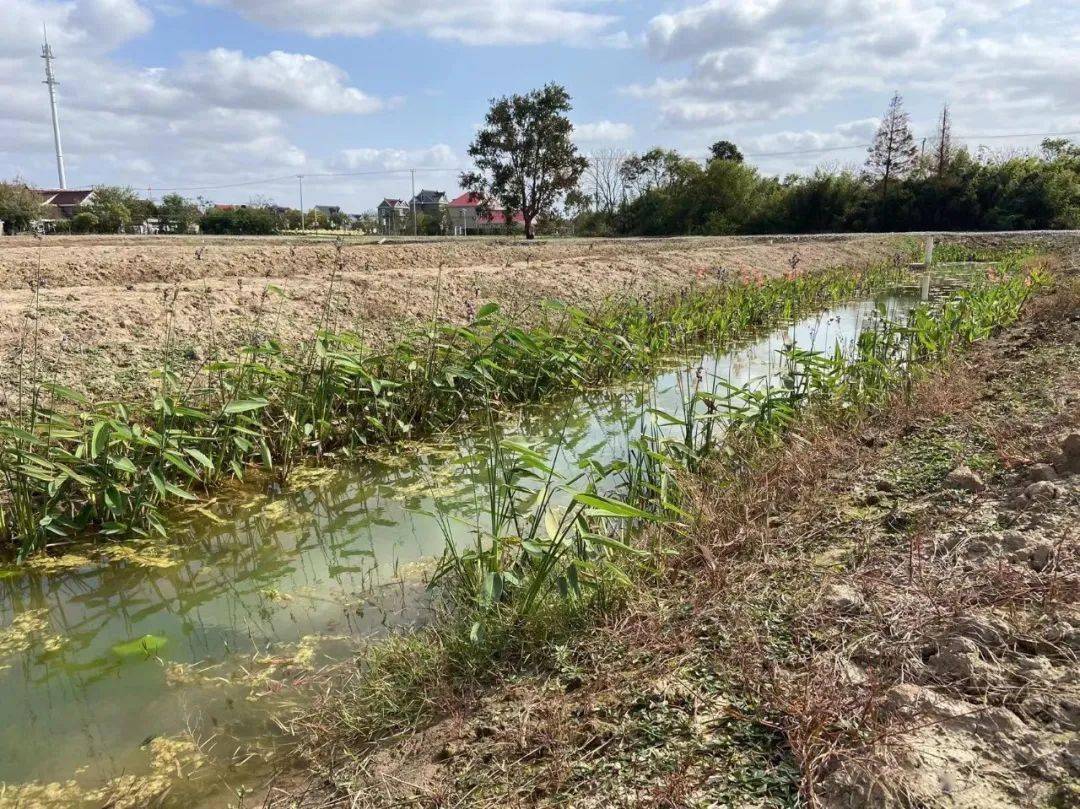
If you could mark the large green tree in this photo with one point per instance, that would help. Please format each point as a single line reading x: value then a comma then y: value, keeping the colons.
x: 177, y: 214
x: 524, y: 154
x: 19, y: 205
x: 114, y: 207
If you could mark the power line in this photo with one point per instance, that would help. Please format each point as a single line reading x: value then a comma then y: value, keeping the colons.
x: 307, y: 175
x: 446, y: 169
x: 825, y: 149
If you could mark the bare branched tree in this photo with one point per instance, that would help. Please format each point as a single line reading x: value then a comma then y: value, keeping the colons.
x: 603, y: 181
x: 943, y: 150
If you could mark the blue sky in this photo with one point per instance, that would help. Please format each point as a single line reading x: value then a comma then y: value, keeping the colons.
x: 194, y: 93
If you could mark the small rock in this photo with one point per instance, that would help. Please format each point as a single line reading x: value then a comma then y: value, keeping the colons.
x: 1042, y: 491
x: 962, y: 477
x: 844, y: 599
x: 956, y: 658
x: 1014, y: 541
x: 1040, y: 555
x: 871, y: 498
x: 1042, y: 471
x: 1070, y: 445
x: 899, y: 519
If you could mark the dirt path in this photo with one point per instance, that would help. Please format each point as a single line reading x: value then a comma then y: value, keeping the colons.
x: 878, y: 616
x: 107, y: 306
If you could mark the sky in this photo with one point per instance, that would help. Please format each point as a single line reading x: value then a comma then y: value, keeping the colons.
x: 231, y: 99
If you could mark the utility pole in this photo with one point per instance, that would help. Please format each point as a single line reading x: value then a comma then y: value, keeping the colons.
x: 50, y: 80
x: 412, y: 180
x: 300, y: 177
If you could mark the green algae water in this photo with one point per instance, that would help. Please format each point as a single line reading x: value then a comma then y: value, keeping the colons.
x: 106, y: 653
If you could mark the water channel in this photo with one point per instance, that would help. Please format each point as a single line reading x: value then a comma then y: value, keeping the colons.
x: 98, y: 657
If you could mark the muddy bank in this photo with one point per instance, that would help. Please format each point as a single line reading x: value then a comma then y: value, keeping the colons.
x: 110, y: 310
x: 882, y: 614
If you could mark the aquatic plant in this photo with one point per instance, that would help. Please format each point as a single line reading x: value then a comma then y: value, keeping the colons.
x: 548, y: 537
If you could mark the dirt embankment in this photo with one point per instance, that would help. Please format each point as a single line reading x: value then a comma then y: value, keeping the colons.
x: 884, y: 614
x: 104, y: 308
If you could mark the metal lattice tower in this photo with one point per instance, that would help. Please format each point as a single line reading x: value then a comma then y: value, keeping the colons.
x: 50, y: 81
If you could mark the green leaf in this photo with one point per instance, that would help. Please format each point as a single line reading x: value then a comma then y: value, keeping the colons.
x: 200, y: 456
x: 244, y: 406
x: 146, y: 646
x: 98, y: 438
x: 606, y: 507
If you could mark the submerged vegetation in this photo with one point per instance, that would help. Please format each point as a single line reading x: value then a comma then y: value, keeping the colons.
x: 71, y: 466
x: 551, y: 554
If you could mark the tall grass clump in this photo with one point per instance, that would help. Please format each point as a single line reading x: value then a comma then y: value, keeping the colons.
x: 70, y: 465
x: 542, y: 535
x: 549, y: 552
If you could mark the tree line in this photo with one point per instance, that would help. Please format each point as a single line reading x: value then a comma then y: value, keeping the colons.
x: 900, y: 187
x: 525, y: 159
x: 115, y: 209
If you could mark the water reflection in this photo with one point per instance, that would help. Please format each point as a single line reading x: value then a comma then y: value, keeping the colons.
x: 334, y: 557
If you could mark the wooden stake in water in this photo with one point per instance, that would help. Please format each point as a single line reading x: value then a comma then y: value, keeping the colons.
x: 928, y: 261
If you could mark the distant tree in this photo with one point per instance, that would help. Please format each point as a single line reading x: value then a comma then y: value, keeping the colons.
x: 943, y: 149
x: 177, y: 214
x: 84, y: 222
x: 892, y: 155
x: 657, y: 168
x: 524, y: 154
x: 246, y: 221
x: 367, y: 222
x: 1056, y: 148
x: 114, y: 207
x: 725, y: 150
x: 603, y: 180
x: 19, y: 205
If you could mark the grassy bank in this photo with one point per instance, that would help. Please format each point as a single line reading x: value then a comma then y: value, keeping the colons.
x: 72, y: 467
x: 529, y: 595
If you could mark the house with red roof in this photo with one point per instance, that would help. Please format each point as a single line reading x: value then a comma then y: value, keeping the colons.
x: 66, y: 201
x: 466, y: 216
x: 392, y: 214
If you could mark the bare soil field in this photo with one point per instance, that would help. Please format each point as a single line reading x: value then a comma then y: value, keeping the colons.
x: 99, y: 310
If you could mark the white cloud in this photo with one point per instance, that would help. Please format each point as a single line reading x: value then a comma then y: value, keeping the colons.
x: 471, y: 22
x: 439, y: 156
x: 764, y: 60
x: 217, y: 114
x: 807, y: 147
x: 603, y: 132
x: 277, y: 81
x: 95, y: 26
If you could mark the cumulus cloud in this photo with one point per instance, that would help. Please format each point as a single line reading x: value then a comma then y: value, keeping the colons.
x: 603, y: 132
x: 472, y: 22
x: 749, y: 62
x: 276, y: 81
x: 438, y: 156
x: 216, y: 114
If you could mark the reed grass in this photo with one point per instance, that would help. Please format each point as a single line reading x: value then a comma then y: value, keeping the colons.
x: 551, y: 538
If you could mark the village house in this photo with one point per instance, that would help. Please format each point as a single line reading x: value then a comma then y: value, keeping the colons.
x: 466, y: 217
x: 65, y: 201
x: 392, y: 214
x: 430, y: 203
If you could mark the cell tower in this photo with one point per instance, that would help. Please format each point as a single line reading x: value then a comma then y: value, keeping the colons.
x: 50, y: 80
